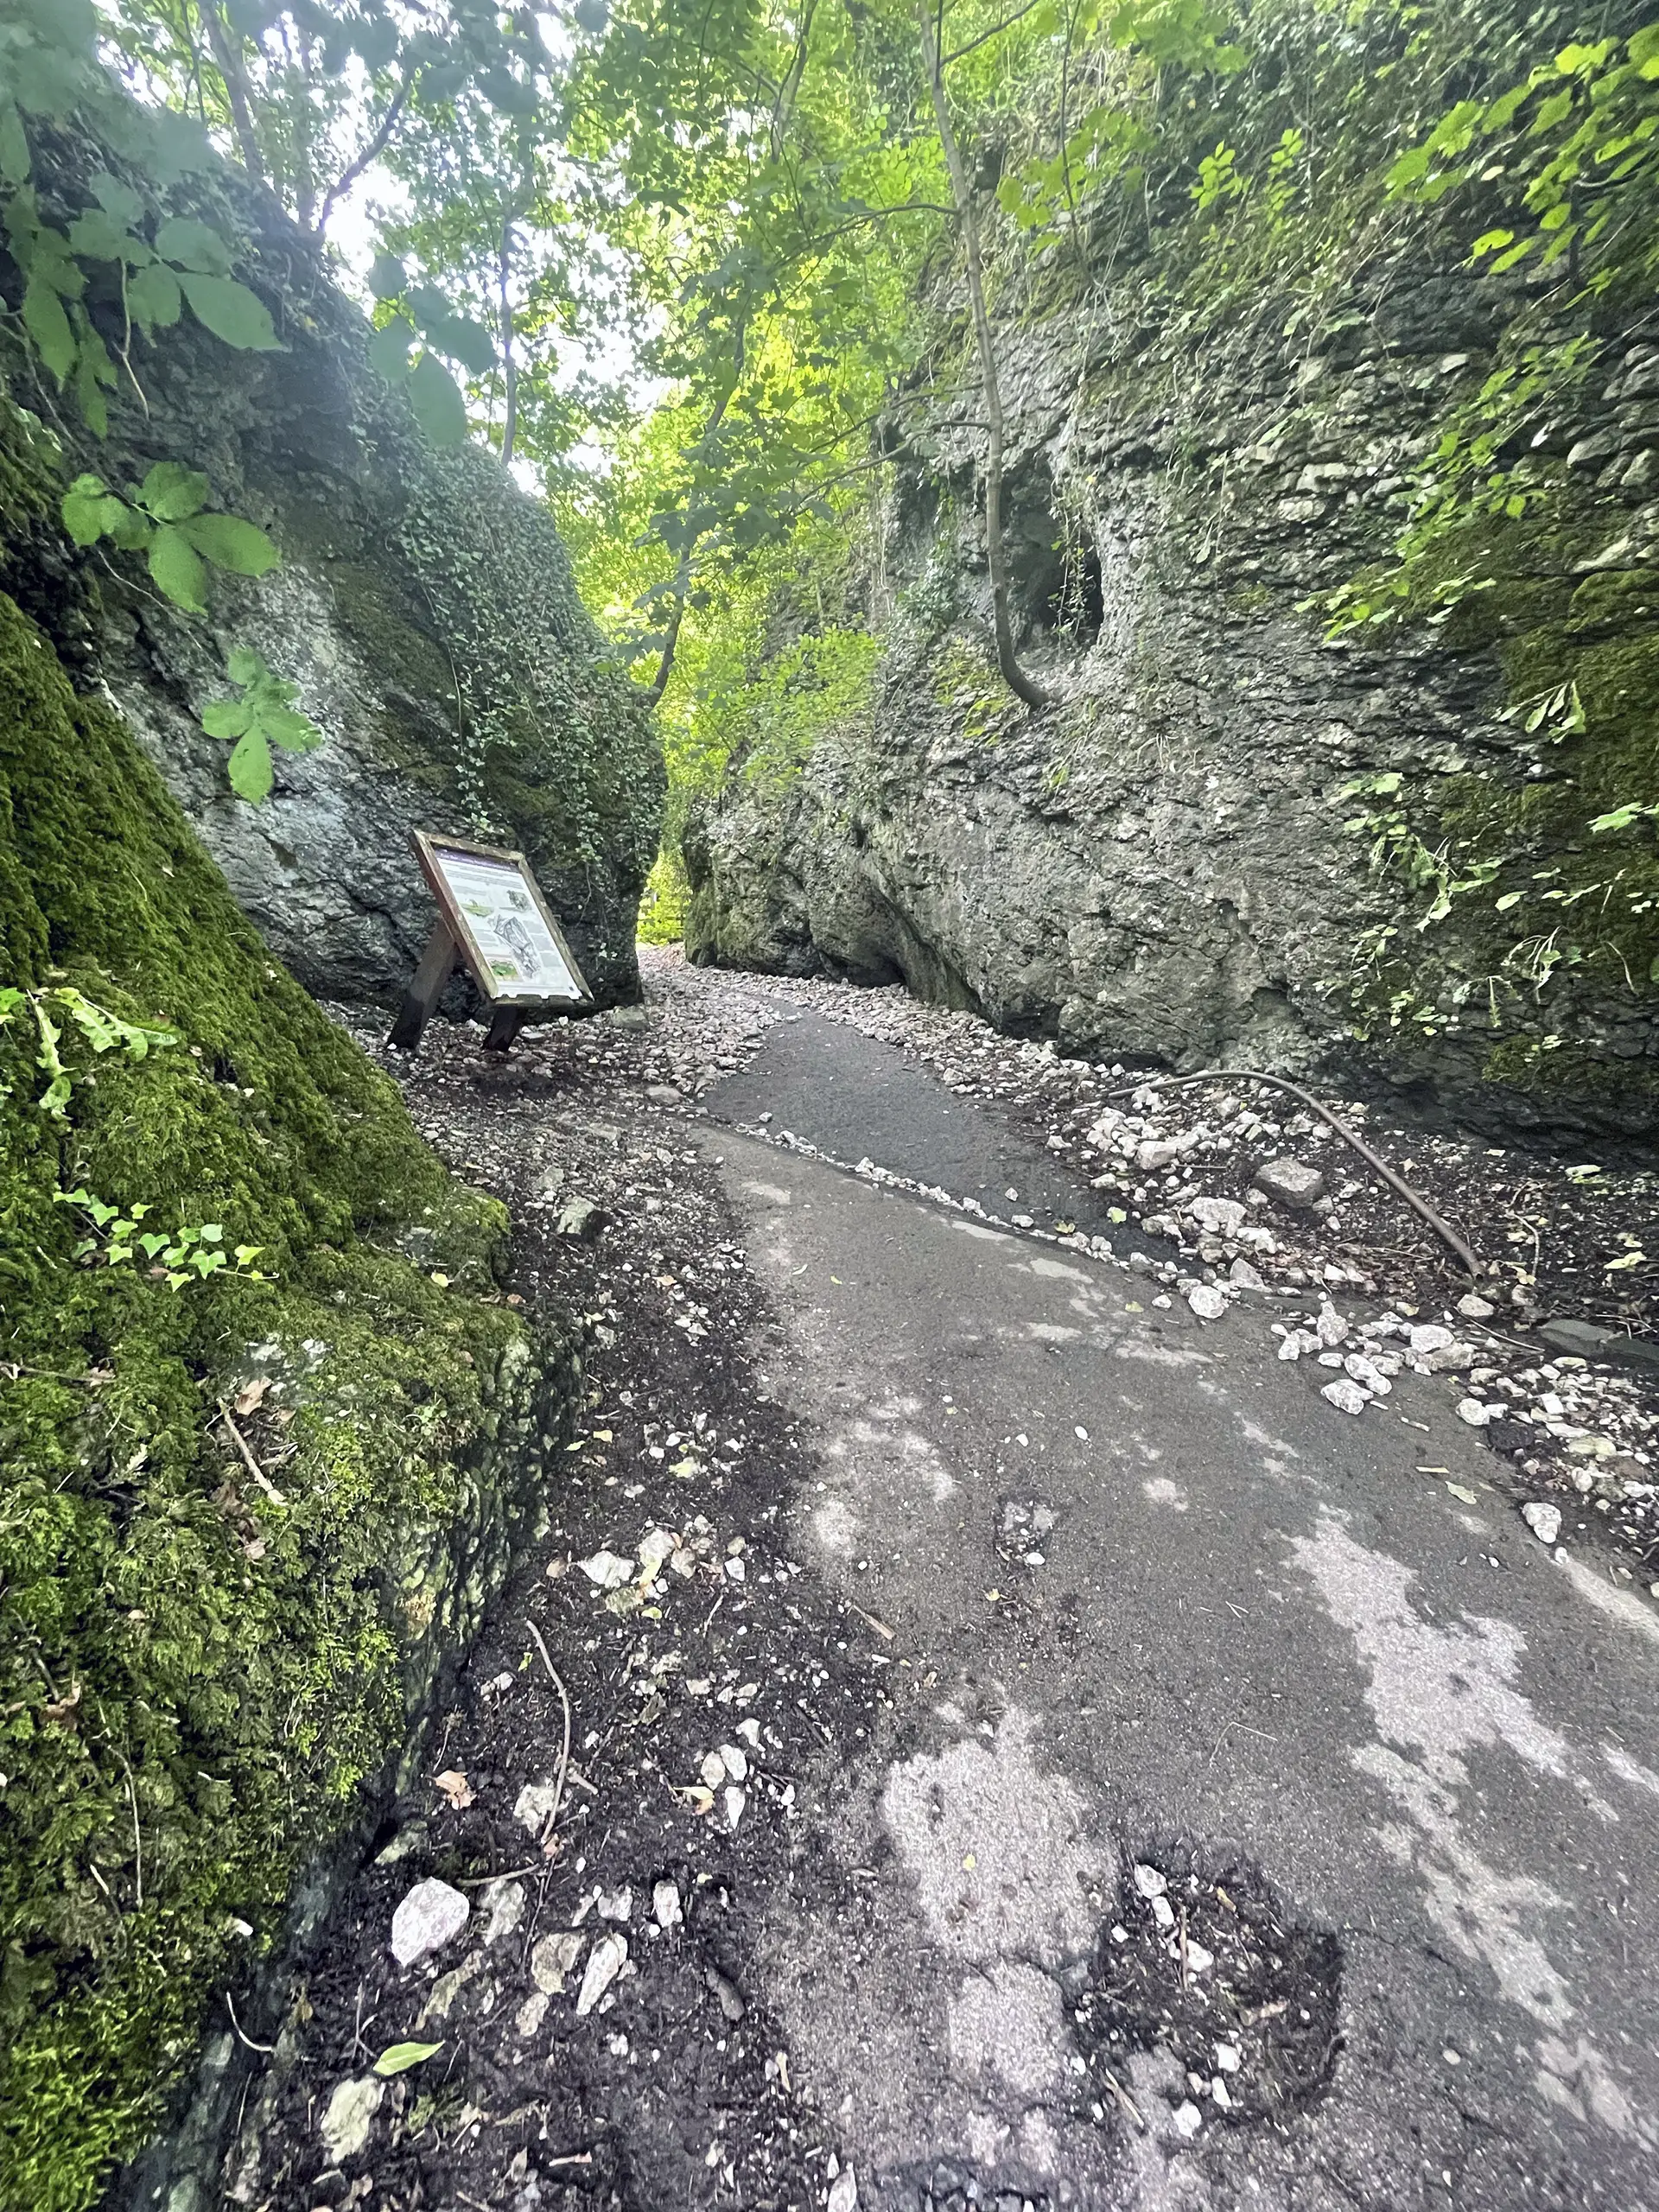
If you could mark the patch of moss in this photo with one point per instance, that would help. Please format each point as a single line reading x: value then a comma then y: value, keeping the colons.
x: 197, y: 1676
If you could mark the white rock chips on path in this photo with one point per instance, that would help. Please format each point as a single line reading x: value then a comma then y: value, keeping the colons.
x: 431, y: 1915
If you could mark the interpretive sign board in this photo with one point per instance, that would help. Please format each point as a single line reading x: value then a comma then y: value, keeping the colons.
x: 490, y: 915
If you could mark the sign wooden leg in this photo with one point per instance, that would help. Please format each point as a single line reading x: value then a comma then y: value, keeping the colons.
x: 422, y: 995
x: 509, y: 1021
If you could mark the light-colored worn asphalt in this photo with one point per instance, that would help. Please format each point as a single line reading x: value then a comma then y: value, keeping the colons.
x: 1254, y: 1634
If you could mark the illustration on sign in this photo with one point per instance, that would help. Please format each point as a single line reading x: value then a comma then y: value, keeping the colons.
x: 507, y: 926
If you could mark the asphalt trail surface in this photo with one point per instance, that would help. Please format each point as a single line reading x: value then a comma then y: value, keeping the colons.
x: 1182, y: 1622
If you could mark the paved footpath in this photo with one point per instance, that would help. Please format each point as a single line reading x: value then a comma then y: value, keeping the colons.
x: 1179, y: 1640
x: 1023, y: 1748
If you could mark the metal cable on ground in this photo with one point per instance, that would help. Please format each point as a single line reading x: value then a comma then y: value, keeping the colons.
x: 1396, y: 1183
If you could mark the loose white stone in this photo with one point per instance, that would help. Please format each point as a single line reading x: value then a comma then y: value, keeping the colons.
x: 735, y: 1763
x: 1227, y: 2058
x: 1207, y: 1301
x: 534, y: 1801
x: 504, y: 1902
x: 1346, y: 1395
x: 1332, y: 1327
x: 1188, y: 2119
x: 843, y: 2192
x: 665, y: 1906
x: 733, y: 1800
x: 1472, y: 1411
x: 604, y: 1962
x: 1544, y: 1520
x: 1163, y: 1912
x: 615, y: 1905
x: 712, y: 1771
x: 1476, y: 1308
x: 553, y: 1958
x: 1368, y: 1374
x: 345, y: 2126
x: 1429, y: 1337
x: 431, y: 1915
x: 1218, y: 1216
x: 1149, y: 1882
x: 608, y: 1570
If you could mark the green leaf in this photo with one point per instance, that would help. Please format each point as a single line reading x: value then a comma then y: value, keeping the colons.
x: 14, y: 145
x: 386, y: 278
x: 244, y: 666
x: 227, y: 717
x: 249, y: 768
x: 294, y: 732
x: 389, y: 350
x: 465, y: 342
x: 230, y: 543
x: 153, y: 297
x: 176, y: 569
x: 190, y: 245
x: 439, y: 408
x: 1510, y: 898
x: 231, y: 311
x: 90, y: 512
x: 48, y: 325
x: 398, y: 2057
x: 98, y: 237
x: 172, y: 492
x: 119, y: 201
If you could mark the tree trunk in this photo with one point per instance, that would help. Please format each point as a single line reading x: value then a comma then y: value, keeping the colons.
x: 509, y: 361
x: 683, y: 573
x: 235, y: 88
x: 1014, y: 675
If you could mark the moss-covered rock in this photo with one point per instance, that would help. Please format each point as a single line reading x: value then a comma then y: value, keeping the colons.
x: 202, y: 1666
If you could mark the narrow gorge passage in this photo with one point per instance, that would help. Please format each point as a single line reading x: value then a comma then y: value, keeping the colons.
x: 1028, y: 1749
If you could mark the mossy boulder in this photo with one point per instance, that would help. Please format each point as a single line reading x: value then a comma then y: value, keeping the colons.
x: 208, y: 1653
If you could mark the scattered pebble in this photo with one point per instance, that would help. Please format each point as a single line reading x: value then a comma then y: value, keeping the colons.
x: 1544, y: 1520
x: 431, y: 1915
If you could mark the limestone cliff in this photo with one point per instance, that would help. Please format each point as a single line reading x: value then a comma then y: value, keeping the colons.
x: 425, y: 606
x: 1235, y: 837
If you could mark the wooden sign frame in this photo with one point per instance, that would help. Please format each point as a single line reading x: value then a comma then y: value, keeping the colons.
x: 454, y: 940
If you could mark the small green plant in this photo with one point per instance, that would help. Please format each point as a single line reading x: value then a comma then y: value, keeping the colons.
x: 166, y: 519
x: 1219, y: 179
x: 264, y: 715
x: 103, y: 1030
x: 175, y: 1257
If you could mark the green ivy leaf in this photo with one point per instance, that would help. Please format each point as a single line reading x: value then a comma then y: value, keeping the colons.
x: 172, y: 492
x: 249, y: 768
x: 190, y: 245
x: 48, y: 325
x: 176, y: 569
x: 230, y: 543
x: 231, y: 311
x: 398, y: 2057
x: 439, y: 408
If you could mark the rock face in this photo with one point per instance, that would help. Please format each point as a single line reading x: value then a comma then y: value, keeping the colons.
x: 261, y: 1625
x: 425, y: 606
x: 1219, y: 844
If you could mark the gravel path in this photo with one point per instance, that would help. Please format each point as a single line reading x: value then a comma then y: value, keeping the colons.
x: 1029, y: 1745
